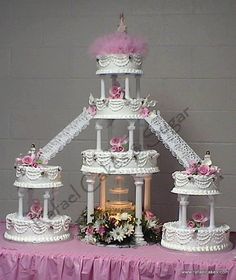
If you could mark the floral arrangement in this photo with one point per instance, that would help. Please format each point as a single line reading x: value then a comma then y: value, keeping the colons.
x: 118, y: 229
x: 31, y: 159
x: 144, y: 112
x: 116, y: 91
x: 36, y: 210
x: 202, y: 169
x: 119, y: 144
x: 198, y: 220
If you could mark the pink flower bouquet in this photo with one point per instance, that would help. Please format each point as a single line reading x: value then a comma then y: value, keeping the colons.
x: 198, y: 220
x: 118, y: 144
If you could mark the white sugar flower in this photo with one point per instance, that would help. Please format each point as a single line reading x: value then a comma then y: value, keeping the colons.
x: 129, y: 229
x: 124, y: 216
x: 151, y: 224
x: 118, y: 234
x: 89, y: 239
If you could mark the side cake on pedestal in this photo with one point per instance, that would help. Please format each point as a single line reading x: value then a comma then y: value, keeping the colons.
x: 35, y: 225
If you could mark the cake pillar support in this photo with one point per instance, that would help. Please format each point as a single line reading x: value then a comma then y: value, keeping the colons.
x: 212, y: 211
x: 147, y: 192
x: 30, y: 198
x: 131, y: 129
x: 46, y: 198
x: 103, y: 179
x: 138, y: 181
x: 180, y: 210
x: 137, y: 78
x: 90, y: 179
x: 98, y: 128
x: 20, y: 202
x: 103, y: 94
x: 127, y: 87
x: 183, y: 204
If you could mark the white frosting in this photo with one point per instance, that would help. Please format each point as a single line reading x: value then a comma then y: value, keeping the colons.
x: 194, y: 184
x: 37, y: 230
x: 120, y: 108
x: 44, y: 176
x: 130, y: 162
x: 187, y: 239
x: 119, y: 63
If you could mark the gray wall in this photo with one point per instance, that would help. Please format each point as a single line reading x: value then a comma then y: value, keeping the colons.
x: 46, y: 77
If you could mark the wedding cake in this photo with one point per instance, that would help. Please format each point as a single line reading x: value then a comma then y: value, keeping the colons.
x: 198, y: 234
x: 35, y: 225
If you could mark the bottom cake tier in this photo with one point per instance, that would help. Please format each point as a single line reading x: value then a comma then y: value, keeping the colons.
x: 195, y: 240
x: 37, y: 231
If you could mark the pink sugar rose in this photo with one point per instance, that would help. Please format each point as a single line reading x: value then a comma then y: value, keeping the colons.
x: 117, y: 148
x: 19, y: 161
x: 27, y: 160
x: 116, y: 141
x: 36, y: 210
x: 191, y: 224
x: 213, y: 170
x: 116, y: 92
x: 204, y: 169
x: 92, y: 110
x: 149, y: 215
x: 144, y: 112
x: 199, y: 217
x: 192, y: 169
x: 101, y: 230
x: 90, y: 230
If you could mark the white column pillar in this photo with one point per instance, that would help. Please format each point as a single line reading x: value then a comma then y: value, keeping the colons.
x: 103, y: 93
x: 30, y: 198
x: 20, y: 202
x: 138, y: 181
x: 103, y: 180
x: 212, y: 211
x: 46, y: 198
x: 184, y: 203
x: 131, y: 129
x: 180, y: 210
x: 137, y: 78
x: 127, y: 87
x: 147, y: 192
x: 99, y: 127
x: 90, y: 179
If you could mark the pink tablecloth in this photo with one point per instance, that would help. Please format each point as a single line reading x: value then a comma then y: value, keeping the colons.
x: 74, y: 260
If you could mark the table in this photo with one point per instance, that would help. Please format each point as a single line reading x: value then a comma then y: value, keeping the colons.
x: 75, y: 260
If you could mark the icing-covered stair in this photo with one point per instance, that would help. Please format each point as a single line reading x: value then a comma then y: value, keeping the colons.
x: 171, y: 140
x: 66, y: 135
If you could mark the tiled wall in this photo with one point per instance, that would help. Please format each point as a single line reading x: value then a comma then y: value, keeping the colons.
x: 46, y: 77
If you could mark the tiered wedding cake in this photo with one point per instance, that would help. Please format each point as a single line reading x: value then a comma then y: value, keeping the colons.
x: 195, y: 235
x: 119, y: 59
x: 35, y: 225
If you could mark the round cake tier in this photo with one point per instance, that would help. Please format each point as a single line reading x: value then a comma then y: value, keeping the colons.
x: 195, y: 240
x: 37, y: 231
x: 131, y: 162
x: 119, y: 191
x: 120, y: 108
x: 44, y: 176
x: 119, y: 64
x: 194, y: 184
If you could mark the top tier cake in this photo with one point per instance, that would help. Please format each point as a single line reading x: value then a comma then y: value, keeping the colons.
x: 31, y: 172
x: 119, y: 53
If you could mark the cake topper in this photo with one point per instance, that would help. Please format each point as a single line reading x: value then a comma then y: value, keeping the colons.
x: 122, y: 26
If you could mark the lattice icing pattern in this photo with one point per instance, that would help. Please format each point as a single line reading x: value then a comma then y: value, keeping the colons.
x: 171, y: 140
x: 66, y: 135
